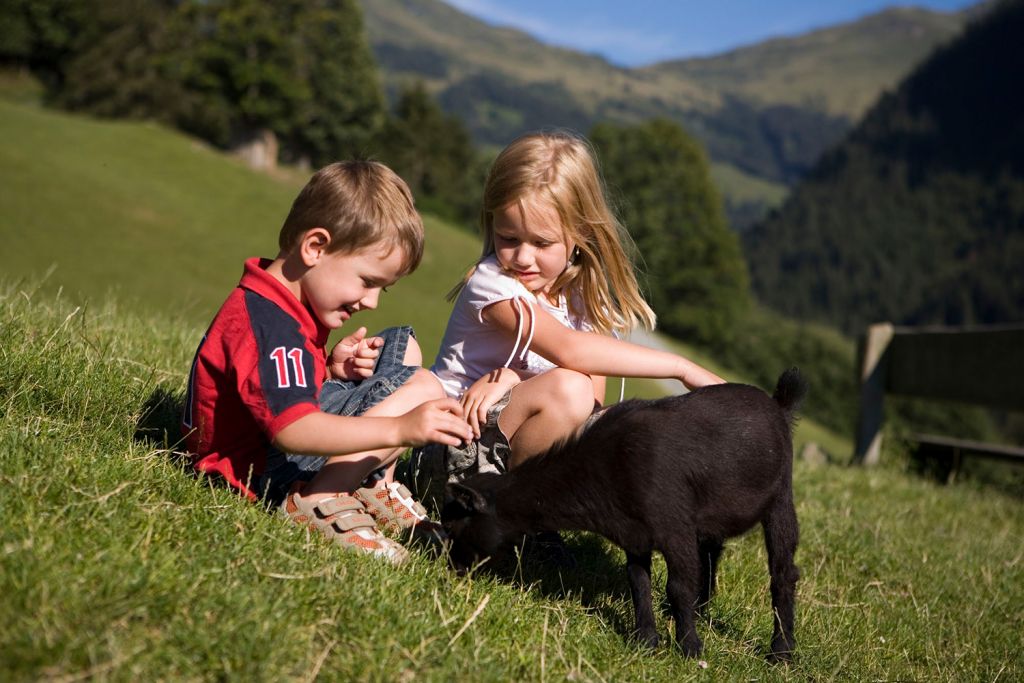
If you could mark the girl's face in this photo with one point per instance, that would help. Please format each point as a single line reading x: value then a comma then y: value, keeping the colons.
x: 530, y: 243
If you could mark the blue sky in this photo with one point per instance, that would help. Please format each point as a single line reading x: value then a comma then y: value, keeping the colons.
x: 637, y: 32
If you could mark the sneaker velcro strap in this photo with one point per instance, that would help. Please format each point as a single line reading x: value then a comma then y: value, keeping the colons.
x: 359, y: 520
x: 401, y: 490
x: 342, y: 503
x: 404, y: 497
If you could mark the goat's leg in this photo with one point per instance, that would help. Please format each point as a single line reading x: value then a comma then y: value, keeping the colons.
x: 683, y: 563
x: 638, y: 569
x: 710, y: 550
x: 781, y: 534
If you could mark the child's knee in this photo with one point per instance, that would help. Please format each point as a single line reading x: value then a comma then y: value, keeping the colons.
x: 419, y: 388
x: 424, y: 386
x: 573, y: 391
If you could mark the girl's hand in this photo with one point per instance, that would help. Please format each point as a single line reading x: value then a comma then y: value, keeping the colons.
x: 437, y: 421
x: 694, y: 376
x: 484, y: 393
x: 354, y: 357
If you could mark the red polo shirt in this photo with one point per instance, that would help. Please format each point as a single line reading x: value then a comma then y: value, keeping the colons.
x: 259, y: 368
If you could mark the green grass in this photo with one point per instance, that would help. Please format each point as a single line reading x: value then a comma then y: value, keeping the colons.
x: 117, y: 564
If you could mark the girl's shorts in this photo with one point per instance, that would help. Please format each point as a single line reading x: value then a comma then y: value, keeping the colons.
x: 430, y: 468
x: 340, y: 397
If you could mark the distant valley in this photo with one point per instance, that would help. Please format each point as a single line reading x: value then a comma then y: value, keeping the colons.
x: 765, y: 113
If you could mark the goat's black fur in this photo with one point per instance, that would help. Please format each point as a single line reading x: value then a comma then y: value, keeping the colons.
x: 678, y: 475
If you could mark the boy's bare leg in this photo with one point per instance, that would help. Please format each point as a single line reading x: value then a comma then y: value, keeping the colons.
x: 347, y: 472
x: 543, y: 409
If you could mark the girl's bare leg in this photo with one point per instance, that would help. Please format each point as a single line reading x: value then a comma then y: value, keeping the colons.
x: 544, y: 409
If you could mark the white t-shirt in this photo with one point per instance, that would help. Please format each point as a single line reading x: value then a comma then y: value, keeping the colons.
x: 471, y: 348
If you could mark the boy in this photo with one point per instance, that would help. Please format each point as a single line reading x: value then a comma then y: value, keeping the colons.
x: 257, y: 393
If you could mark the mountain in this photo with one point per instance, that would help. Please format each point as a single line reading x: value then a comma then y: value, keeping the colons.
x: 917, y: 216
x: 838, y: 71
x: 764, y: 113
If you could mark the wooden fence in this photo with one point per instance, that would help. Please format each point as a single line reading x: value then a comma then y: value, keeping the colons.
x: 978, y: 365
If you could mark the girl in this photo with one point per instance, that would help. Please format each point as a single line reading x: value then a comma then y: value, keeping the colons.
x: 530, y: 337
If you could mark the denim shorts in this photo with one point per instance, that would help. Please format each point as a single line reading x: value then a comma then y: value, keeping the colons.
x: 339, y: 397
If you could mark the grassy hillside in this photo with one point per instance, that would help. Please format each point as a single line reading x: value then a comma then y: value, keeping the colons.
x: 154, y: 218
x: 162, y: 223
x: 119, y: 565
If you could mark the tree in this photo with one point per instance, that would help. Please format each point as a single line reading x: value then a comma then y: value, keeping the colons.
x: 241, y: 61
x: 432, y: 151
x: 695, y: 273
x: 229, y: 71
x: 346, y: 106
x: 295, y: 71
x: 119, y: 66
x: 44, y: 35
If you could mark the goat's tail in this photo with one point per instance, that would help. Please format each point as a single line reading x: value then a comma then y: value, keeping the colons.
x: 790, y: 391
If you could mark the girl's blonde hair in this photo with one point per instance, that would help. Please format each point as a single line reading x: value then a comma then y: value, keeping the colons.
x: 560, y: 168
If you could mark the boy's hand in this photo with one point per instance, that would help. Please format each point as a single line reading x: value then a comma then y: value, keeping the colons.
x: 438, y: 421
x: 484, y: 393
x: 354, y: 357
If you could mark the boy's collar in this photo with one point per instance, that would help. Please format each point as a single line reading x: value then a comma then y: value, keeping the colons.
x: 256, y: 279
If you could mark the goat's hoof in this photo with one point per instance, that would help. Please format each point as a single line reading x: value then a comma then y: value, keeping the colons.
x: 645, y: 639
x: 692, y: 647
x: 782, y: 653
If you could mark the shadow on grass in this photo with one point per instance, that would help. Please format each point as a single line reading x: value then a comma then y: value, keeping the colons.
x: 598, y: 581
x: 596, y: 576
x: 159, y: 424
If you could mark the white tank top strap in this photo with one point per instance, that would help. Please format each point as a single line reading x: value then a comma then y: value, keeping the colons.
x: 622, y: 380
x: 522, y: 313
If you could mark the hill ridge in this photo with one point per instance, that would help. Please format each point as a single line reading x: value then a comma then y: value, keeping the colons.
x: 502, y: 82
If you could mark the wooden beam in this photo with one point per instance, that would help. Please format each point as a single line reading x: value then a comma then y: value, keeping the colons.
x: 977, y: 365
x: 874, y: 365
x: 982, y: 366
x: 994, y: 451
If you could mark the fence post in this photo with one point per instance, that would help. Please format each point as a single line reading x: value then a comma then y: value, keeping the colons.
x: 873, y: 361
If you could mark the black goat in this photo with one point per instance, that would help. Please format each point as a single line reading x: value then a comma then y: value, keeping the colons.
x: 678, y: 475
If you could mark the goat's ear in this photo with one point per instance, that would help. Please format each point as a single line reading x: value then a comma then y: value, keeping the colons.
x: 469, y: 499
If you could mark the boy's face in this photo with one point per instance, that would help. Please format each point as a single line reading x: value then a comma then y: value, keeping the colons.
x: 340, y: 284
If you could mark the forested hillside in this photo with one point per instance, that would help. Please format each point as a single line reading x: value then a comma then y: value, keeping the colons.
x: 297, y: 81
x: 918, y: 215
x: 764, y: 113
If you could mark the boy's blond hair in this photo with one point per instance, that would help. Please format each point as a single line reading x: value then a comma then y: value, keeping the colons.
x: 560, y: 168
x: 361, y: 203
